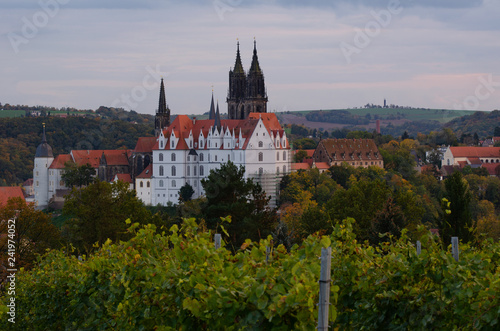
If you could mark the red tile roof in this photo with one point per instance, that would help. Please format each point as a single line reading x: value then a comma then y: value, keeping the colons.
x: 7, y: 192
x: 146, y: 173
x: 59, y: 161
x: 299, y: 166
x: 93, y: 157
x: 475, y: 151
x: 492, y: 168
x: 124, y: 178
x: 322, y: 165
x: 28, y: 182
x: 145, y: 144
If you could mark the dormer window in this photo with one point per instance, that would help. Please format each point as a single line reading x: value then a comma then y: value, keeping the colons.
x: 161, y: 144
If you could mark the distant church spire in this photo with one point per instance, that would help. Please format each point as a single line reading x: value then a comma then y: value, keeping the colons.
x: 255, y: 67
x: 162, y: 118
x: 44, y: 149
x: 211, y: 114
x: 238, y: 67
x: 217, y: 123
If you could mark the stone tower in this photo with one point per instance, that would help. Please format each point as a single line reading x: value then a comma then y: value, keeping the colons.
x: 246, y: 93
x: 43, y: 160
x: 162, y: 118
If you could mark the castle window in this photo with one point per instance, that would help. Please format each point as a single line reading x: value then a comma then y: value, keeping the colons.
x: 147, y: 184
x: 215, y: 158
x: 141, y: 184
x: 190, y: 144
x: 261, y: 156
x: 202, y: 172
x: 37, y: 173
x: 277, y: 156
x: 261, y: 171
x: 194, y: 170
x: 37, y: 183
x: 284, y: 155
x: 174, y: 172
x: 161, y: 144
x: 229, y: 157
x: 172, y: 157
x: 160, y: 157
x: 173, y: 183
x: 261, y: 144
x: 161, y: 182
x: 188, y: 158
x: 173, y: 144
x: 188, y: 170
x: 201, y: 157
x: 161, y: 171
x: 284, y: 169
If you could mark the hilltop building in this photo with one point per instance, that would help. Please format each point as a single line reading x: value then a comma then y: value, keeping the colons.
x: 184, y: 151
x: 355, y: 152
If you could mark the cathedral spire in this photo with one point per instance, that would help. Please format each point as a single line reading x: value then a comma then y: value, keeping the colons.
x: 238, y: 67
x: 255, y: 67
x: 162, y: 118
x: 44, y: 149
x: 162, y: 106
x: 211, y: 115
x: 217, y: 118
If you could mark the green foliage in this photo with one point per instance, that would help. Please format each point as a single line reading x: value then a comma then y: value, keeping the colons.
x: 99, y: 211
x: 480, y: 122
x: 300, y: 156
x: 79, y: 176
x: 456, y: 220
x: 179, y: 281
x: 186, y: 192
x: 304, y: 143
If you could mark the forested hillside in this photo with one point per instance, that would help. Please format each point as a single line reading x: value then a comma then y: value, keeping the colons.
x: 482, y: 123
x: 20, y: 136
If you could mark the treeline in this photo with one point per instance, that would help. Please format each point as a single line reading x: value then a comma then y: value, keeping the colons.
x: 40, y: 109
x: 19, y: 138
x: 484, y: 124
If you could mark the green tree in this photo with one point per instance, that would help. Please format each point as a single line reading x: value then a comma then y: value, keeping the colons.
x: 99, y: 212
x: 74, y: 175
x: 229, y: 194
x: 34, y: 233
x: 186, y: 192
x: 456, y: 220
x: 300, y: 156
x: 390, y: 220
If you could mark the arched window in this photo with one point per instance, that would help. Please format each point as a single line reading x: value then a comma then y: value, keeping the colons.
x: 161, y: 144
x: 173, y: 171
x: 215, y: 158
x: 194, y: 170
x: 160, y: 157
x: 201, y: 171
x: 261, y: 144
x: 173, y: 183
x: 147, y: 184
x: 277, y: 156
x: 284, y: 155
x: 141, y: 184
x: 161, y: 170
x: 201, y: 157
x: 261, y: 156
x: 161, y: 182
x: 172, y: 157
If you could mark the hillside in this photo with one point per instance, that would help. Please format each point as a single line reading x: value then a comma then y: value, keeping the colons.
x: 394, y: 121
x: 482, y: 123
x: 20, y: 136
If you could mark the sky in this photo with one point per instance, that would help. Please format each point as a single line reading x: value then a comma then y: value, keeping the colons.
x: 314, y: 54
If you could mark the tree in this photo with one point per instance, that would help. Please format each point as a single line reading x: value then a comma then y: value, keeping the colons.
x: 186, y: 192
x: 229, y: 194
x: 389, y: 220
x: 34, y: 233
x: 496, y: 132
x: 99, y: 212
x: 79, y: 176
x: 455, y: 219
x: 300, y: 156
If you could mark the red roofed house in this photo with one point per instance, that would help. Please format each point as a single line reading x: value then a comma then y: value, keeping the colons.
x: 355, y: 152
x: 486, y: 157
x: 143, y: 185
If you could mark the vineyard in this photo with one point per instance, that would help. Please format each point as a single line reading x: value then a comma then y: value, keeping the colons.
x: 180, y: 281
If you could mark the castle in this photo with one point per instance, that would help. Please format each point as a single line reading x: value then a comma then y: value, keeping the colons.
x: 184, y: 151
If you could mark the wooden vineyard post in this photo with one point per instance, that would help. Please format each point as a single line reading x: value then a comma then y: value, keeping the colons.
x: 454, y: 247
x: 217, y: 240
x: 419, y: 247
x: 324, y: 288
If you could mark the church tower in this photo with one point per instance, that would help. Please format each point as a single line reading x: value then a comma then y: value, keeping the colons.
x: 43, y: 160
x: 247, y: 93
x: 256, y: 99
x: 162, y: 118
x: 237, y: 89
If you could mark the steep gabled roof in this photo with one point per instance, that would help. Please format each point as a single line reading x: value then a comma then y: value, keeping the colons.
x: 59, y: 161
x: 93, y: 157
x: 351, y: 149
x: 145, y: 145
x: 146, y: 173
x: 124, y: 178
x: 7, y: 192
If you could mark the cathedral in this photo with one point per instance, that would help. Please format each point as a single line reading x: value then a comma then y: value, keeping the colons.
x: 185, y: 150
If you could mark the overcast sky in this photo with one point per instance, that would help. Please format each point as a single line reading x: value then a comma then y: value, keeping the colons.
x: 314, y: 54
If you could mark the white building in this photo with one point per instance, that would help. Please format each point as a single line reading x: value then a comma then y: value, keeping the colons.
x: 188, y: 149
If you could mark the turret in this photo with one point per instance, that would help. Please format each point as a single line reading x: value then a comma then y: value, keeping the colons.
x: 43, y: 160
